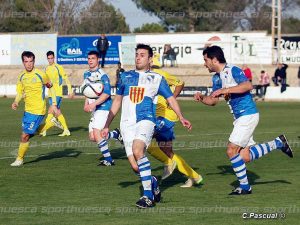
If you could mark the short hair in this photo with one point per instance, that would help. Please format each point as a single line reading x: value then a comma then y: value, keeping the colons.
x: 146, y: 47
x: 50, y: 53
x: 94, y: 53
x: 215, y: 52
x: 27, y: 54
x: 262, y: 71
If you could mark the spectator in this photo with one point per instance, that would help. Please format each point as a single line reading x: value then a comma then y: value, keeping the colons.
x: 102, y: 46
x: 119, y: 71
x: 299, y: 76
x: 280, y: 76
x: 247, y: 72
x: 264, y: 82
x: 169, y: 54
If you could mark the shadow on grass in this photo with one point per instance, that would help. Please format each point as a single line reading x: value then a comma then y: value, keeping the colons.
x: 252, y: 177
x: 56, y: 155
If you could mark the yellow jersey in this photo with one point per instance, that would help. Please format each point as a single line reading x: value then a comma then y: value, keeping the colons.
x: 56, y: 74
x: 162, y: 107
x: 30, y: 86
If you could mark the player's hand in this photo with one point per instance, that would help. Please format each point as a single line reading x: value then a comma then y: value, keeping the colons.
x: 198, y: 97
x: 71, y: 95
x: 55, y: 109
x: 91, y: 107
x: 14, y: 105
x: 86, y: 108
x: 217, y: 93
x: 186, y: 123
x: 104, y: 133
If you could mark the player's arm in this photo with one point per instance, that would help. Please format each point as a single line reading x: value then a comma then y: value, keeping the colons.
x: 67, y: 81
x: 239, y: 89
x: 207, y: 100
x: 51, y: 92
x: 174, y: 81
x: 165, y: 91
x: 19, y: 95
x: 116, y: 105
x: 105, y: 95
x: 175, y: 106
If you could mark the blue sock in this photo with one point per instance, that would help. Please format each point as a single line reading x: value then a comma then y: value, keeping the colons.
x: 239, y: 167
x: 113, y: 134
x: 146, y: 178
x: 257, y: 151
x: 103, y: 147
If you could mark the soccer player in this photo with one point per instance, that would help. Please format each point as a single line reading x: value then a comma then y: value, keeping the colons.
x: 136, y: 91
x: 164, y: 132
x: 230, y: 81
x: 99, y: 108
x: 57, y: 75
x: 31, y: 86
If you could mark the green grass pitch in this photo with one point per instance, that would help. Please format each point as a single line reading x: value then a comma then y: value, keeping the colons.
x: 60, y: 182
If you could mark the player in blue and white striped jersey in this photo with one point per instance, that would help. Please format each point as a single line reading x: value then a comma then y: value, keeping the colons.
x: 136, y: 92
x: 230, y: 81
x: 100, y: 108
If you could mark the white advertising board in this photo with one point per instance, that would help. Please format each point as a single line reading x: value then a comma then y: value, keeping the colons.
x: 5, y: 49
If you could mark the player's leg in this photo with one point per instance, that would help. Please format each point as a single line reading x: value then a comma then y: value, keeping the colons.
x: 100, y: 117
x: 48, y: 122
x: 61, y: 119
x: 143, y: 135
x: 257, y: 151
x: 115, y: 134
x: 30, y: 124
x: 242, y: 132
x: 161, y: 129
x: 158, y: 154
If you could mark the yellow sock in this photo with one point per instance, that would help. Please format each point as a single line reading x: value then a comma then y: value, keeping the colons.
x: 155, y: 151
x: 48, y: 124
x: 23, y: 147
x: 184, y: 168
x: 63, y: 122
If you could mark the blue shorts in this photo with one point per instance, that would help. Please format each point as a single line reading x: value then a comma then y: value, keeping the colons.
x: 31, y: 122
x: 164, y: 130
x: 58, y: 101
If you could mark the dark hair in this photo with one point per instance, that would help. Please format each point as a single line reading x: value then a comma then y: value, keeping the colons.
x: 27, y: 54
x: 215, y: 52
x: 262, y: 71
x: 94, y: 53
x: 146, y: 47
x: 50, y: 53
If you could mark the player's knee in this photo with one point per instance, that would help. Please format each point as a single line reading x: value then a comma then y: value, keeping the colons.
x: 232, y: 150
x: 25, y: 137
x: 91, y: 137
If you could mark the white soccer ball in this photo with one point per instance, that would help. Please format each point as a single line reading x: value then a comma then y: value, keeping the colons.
x: 92, y: 89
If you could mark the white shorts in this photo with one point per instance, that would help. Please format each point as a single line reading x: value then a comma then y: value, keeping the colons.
x: 98, y: 120
x: 142, y: 130
x: 244, y: 126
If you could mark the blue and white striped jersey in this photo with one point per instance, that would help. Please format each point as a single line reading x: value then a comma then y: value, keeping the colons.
x: 139, y: 90
x: 101, y: 75
x: 240, y: 104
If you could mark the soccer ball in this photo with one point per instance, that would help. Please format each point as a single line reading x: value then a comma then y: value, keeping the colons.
x: 92, y: 89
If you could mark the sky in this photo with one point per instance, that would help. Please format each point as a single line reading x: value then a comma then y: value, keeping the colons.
x: 134, y: 17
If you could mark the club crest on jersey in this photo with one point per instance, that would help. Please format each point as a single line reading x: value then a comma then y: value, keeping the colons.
x: 136, y: 94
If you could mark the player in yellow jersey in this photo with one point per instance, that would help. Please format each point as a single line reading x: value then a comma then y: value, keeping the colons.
x: 31, y: 86
x: 164, y: 132
x: 57, y: 74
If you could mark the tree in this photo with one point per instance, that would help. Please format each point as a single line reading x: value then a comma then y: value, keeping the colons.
x: 100, y: 17
x: 150, y: 28
x: 22, y: 16
x: 62, y: 16
x: 195, y: 15
x: 219, y: 15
